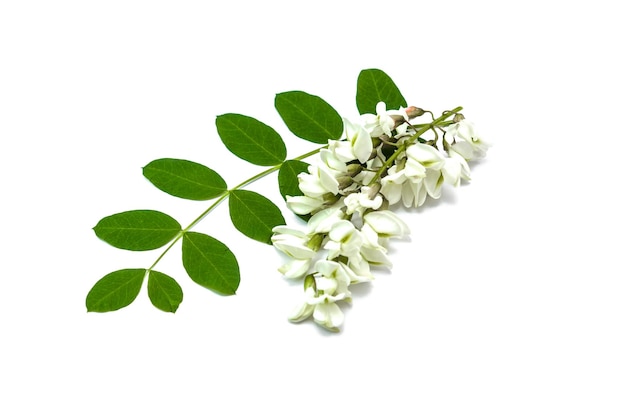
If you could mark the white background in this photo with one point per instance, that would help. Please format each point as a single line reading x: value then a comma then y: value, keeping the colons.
x: 507, y: 301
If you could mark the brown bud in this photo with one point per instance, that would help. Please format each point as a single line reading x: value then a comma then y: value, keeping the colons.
x: 374, y: 189
x: 344, y: 182
x: 413, y: 112
x: 458, y: 118
x: 398, y: 120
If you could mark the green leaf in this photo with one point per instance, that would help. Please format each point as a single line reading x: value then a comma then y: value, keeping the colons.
x: 184, y: 179
x: 250, y: 139
x: 309, y: 117
x: 375, y: 86
x: 254, y: 215
x: 115, y: 290
x: 288, y: 177
x: 210, y: 263
x: 137, y: 230
x: 164, y: 292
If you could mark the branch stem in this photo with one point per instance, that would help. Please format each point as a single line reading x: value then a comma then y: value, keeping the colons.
x: 423, y: 128
x: 224, y: 195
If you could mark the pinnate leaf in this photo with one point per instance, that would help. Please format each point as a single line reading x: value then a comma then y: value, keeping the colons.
x: 184, y: 179
x: 250, y: 139
x: 288, y: 177
x: 309, y: 117
x: 210, y: 263
x: 137, y: 230
x: 164, y: 292
x: 115, y: 290
x: 375, y: 86
x: 254, y: 215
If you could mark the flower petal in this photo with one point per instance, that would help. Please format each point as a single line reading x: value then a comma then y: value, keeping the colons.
x: 328, y: 315
x: 387, y: 223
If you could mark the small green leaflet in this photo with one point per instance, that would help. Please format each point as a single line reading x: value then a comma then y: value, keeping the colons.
x: 164, y: 292
x: 375, y: 86
x: 137, y: 230
x: 184, y: 179
x: 115, y: 290
x: 288, y: 177
x: 309, y: 117
x: 254, y: 215
x: 210, y: 263
x: 251, y: 140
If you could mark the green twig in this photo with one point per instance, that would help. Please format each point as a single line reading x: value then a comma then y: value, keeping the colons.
x: 424, y: 128
x: 224, y: 195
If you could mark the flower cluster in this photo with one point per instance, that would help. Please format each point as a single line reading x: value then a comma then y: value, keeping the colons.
x: 385, y: 158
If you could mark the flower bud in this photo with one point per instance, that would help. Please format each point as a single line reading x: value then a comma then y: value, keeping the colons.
x: 309, y: 281
x: 330, y: 199
x: 374, y: 189
x: 413, y: 112
x: 344, y: 182
x: 458, y: 118
x: 398, y: 120
x: 354, y: 169
x: 315, y: 242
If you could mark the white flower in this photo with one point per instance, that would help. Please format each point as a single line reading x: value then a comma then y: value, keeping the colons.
x: 294, y: 244
x: 464, y: 140
x: 318, y: 181
x: 304, y: 309
x: 323, y: 221
x: 391, y: 184
x: 413, y: 193
x: 455, y: 168
x: 377, y: 228
x: 423, y: 165
x: 334, y: 165
x: 371, y: 250
x: 343, y: 239
x: 303, y: 205
x: 359, y: 202
x: 358, y: 268
x: 357, y: 146
x: 295, y: 269
x: 321, y: 294
x: 387, y: 224
x: 328, y: 315
x: 382, y: 122
x: 421, y: 157
x: 322, y: 177
x: 433, y: 182
x: 341, y: 274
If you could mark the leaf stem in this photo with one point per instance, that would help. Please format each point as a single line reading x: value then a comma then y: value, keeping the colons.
x: 222, y: 197
x: 423, y: 129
